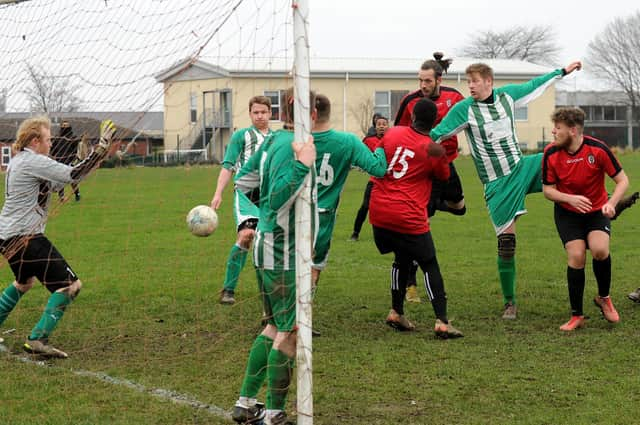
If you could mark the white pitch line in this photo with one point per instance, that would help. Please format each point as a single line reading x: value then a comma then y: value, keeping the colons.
x: 161, y: 393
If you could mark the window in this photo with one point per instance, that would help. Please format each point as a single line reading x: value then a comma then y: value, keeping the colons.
x: 621, y: 113
x: 6, y: 155
x: 387, y: 102
x: 382, y: 103
x: 587, y: 113
x: 609, y: 113
x: 193, y: 108
x: 522, y: 113
x: 274, y: 96
x: 225, y: 109
x: 598, y: 113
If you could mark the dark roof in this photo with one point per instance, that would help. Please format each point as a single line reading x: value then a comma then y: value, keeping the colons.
x: 81, y: 123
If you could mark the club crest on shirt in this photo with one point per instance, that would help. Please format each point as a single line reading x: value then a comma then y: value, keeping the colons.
x: 591, y: 159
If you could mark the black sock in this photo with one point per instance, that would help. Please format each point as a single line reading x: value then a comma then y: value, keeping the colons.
x: 575, y: 280
x: 434, y: 285
x: 398, y: 287
x: 602, y: 270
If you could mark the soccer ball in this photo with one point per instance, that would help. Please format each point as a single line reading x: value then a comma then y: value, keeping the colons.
x: 202, y: 220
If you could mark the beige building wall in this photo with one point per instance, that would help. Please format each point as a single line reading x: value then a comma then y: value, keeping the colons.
x: 177, y: 108
x: 351, y: 98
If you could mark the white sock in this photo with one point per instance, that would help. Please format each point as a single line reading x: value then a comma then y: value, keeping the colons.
x: 247, y: 401
x: 271, y: 414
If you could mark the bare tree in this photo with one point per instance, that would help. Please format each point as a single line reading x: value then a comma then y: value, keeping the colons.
x: 614, y: 55
x: 534, y: 44
x: 362, y: 112
x: 49, y: 93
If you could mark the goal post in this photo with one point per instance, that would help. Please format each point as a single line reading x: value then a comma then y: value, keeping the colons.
x: 304, y: 234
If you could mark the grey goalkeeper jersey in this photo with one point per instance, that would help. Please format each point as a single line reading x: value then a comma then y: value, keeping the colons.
x: 29, y: 181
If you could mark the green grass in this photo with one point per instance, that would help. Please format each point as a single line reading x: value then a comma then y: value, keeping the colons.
x: 148, y: 313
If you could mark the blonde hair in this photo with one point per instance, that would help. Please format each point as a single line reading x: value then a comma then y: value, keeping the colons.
x: 30, y: 129
x: 482, y: 69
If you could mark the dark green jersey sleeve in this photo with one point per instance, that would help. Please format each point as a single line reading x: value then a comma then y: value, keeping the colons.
x: 454, y: 122
x: 286, y: 175
x: 374, y: 163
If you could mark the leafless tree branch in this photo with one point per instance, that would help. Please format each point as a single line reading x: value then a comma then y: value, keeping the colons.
x: 48, y: 93
x: 614, y: 55
x: 534, y: 44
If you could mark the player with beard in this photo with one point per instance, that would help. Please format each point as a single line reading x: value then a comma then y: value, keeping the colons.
x: 398, y: 213
x: 573, y: 170
x: 445, y: 195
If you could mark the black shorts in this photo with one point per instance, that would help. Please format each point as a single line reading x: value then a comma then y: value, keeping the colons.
x: 417, y: 247
x: 35, y: 255
x: 250, y: 223
x: 450, y: 189
x: 575, y: 226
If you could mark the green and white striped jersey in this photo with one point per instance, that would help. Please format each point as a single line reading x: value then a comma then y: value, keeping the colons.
x: 490, y: 127
x: 244, y: 143
x: 281, y: 178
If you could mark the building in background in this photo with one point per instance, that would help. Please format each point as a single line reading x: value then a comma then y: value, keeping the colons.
x: 609, y: 116
x: 204, y: 103
x: 139, y: 134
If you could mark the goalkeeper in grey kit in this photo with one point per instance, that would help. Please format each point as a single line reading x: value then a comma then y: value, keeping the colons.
x: 31, y: 178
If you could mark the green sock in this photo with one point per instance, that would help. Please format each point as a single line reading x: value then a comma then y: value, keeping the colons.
x: 8, y: 301
x: 256, y: 366
x: 235, y: 263
x: 278, y: 379
x: 52, y: 314
x: 507, y: 271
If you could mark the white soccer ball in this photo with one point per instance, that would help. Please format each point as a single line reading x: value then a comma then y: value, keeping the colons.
x: 202, y: 220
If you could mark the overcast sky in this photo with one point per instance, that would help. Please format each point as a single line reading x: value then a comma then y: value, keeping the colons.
x: 113, y: 49
x: 415, y: 28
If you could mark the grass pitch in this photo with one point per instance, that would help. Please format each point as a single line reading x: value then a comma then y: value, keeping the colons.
x: 148, y: 314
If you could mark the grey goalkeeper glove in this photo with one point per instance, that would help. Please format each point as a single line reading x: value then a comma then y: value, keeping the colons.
x: 107, y: 130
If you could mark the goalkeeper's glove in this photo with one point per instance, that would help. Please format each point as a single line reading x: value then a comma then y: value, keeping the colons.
x: 107, y: 130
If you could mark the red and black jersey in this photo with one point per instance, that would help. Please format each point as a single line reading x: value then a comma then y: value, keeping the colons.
x: 371, y: 142
x: 444, y: 101
x: 580, y: 173
x: 399, y: 199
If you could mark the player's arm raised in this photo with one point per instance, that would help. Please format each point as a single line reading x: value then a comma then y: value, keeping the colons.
x: 60, y: 174
x: 532, y: 89
x: 107, y: 131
